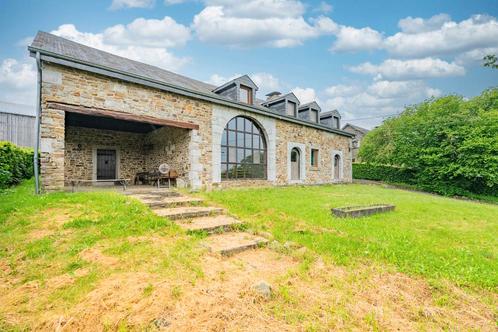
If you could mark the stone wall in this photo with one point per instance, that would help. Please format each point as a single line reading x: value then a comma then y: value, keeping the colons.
x: 171, y: 146
x: 80, y: 152
x: 306, y: 138
x: 194, y: 153
x: 63, y: 84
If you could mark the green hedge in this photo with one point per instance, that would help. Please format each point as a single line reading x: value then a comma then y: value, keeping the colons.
x: 16, y: 164
x: 385, y: 173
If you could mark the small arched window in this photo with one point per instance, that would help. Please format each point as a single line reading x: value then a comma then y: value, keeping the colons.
x: 337, y: 165
x: 243, y: 150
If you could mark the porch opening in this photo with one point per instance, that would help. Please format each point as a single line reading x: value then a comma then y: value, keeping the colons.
x: 100, y: 149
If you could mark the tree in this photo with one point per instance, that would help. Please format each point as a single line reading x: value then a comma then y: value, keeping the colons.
x: 490, y: 61
x: 450, y: 143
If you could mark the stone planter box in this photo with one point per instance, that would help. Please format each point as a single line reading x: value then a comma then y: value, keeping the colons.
x: 361, y: 211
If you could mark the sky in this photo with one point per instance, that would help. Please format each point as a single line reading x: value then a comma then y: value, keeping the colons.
x: 367, y: 59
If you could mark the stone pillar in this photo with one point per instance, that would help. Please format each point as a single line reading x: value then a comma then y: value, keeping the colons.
x: 52, y: 150
x: 194, y: 159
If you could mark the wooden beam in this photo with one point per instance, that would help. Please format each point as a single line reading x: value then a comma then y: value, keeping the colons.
x: 106, y: 113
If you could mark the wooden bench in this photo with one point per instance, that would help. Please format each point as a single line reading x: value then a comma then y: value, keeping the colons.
x: 77, y: 182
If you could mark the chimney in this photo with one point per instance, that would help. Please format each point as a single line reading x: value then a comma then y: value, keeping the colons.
x: 273, y: 95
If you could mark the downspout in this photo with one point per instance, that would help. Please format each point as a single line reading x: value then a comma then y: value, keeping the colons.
x: 37, y: 128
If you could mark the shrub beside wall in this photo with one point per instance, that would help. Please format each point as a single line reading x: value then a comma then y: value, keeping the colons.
x: 16, y: 164
x: 385, y: 173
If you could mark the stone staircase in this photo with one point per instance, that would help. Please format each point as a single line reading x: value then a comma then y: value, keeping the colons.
x: 225, y: 233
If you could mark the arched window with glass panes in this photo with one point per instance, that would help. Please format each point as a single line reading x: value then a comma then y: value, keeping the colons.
x: 243, y: 150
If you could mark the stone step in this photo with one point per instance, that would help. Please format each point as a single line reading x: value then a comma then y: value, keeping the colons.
x: 156, y: 197
x: 168, y: 202
x: 228, y: 244
x: 187, y: 212
x: 210, y: 224
x: 151, y: 191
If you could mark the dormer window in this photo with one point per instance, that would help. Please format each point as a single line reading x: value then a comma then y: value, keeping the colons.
x: 336, y: 122
x: 245, y: 94
x: 241, y: 89
x: 291, y: 108
x: 314, y: 116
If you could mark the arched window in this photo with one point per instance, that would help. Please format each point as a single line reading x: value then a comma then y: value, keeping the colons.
x: 243, y: 150
x: 337, y: 170
x: 295, y: 164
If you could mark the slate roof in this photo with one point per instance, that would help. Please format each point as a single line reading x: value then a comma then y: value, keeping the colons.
x: 312, y: 104
x: 330, y: 113
x: 360, y: 129
x: 69, y: 53
x: 61, y: 46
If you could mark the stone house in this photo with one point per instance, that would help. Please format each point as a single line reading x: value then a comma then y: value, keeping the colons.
x: 358, y: 133
x: 96, y: 106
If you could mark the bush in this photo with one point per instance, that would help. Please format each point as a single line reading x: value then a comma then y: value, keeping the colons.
x: 385, y: 173
x: 16, y: 164
x: 450, y: 144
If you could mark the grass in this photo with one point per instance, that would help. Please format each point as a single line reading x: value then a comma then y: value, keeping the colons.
x: 105, y: 260
x: 431, y: 236
x: 43, y: 237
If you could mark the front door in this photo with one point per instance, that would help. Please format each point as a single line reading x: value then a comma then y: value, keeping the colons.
x: 295, y: 164
x: 106, y: 164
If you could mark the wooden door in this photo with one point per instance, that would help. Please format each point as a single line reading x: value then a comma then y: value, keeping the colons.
x: 106, y: 164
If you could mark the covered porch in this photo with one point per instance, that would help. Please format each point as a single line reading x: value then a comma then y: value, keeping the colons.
x: 101, y: 145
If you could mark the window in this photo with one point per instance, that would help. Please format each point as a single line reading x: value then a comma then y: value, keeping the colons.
x: 291, y: 108
x: 243, y: 150
x: 314, y: 157
x: 314, y: 116
x: 245, y: 94
x: 336, y: 122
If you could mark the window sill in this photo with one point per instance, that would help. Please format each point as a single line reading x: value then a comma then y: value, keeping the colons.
x: 314, y: 168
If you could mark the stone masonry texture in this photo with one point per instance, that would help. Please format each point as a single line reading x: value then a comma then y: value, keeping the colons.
x: 67, y: 152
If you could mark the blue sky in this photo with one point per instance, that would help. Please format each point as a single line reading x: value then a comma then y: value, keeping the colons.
x: 365, y: 58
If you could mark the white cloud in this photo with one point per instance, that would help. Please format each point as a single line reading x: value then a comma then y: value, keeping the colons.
x: 419, y: 37
x: 259, y: 9
x: 418, y: 24
x: 271, y: 23
x: 325, y: 7
x: 475, y: 57
x: 341, y: 90
x: 142, y: 40
x: 479, y: 31
x: 148, y: 32
x: 266, y: 82
x: 393, y: 69
x: 18, y: 81
x: 218, y: 80
x: 174, y: 2
x: 401, y: 89
x: 375, y: 102
x: 352, y: 39
x: 119, y: 4
x: 305, y: 95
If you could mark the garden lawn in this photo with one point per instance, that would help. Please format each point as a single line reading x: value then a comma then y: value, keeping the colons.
x: 55, y: 249
x: 431, y: 236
